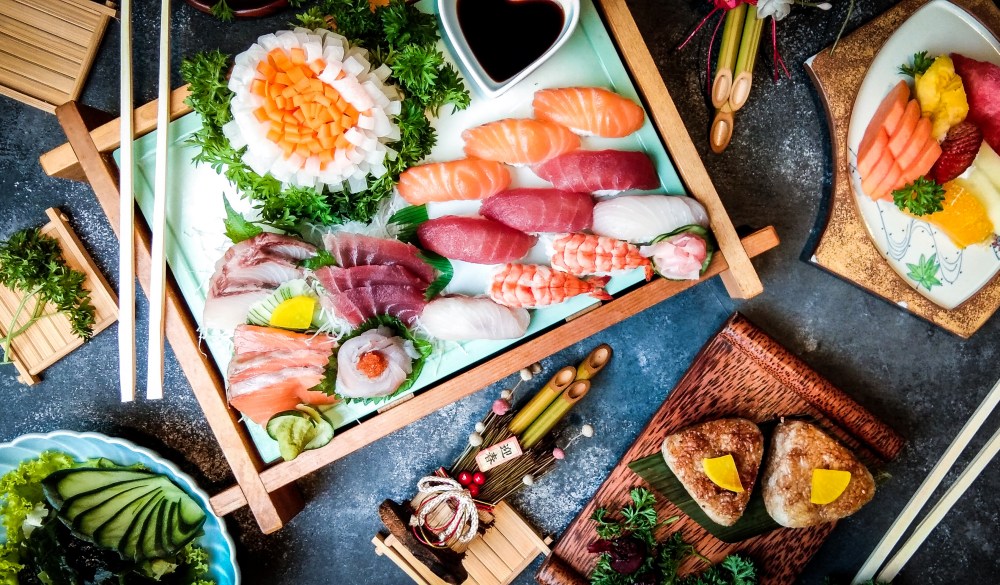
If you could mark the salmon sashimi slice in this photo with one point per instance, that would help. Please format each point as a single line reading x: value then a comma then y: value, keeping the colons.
x: 251, y: 338
x: 248, y: 365
x: 261, y: 397
x: 519, y: 141
x: 589, y: 111
x: 474, y: 239
x: 455, y: 180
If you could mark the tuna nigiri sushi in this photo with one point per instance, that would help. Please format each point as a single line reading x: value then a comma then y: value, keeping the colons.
x: 275, y: 370
x: 455, y: 180
x: 373, y: 364
x: 533, y: 285
x: 589, y: 111
x: 461, y: 318
x: 474, y: 239
x: 602, y: 172
x: 641, y: 218
x: 519, y: 141
x: 541, y: 210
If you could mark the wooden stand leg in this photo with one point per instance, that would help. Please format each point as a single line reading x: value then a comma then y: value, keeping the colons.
x: 271, y: 509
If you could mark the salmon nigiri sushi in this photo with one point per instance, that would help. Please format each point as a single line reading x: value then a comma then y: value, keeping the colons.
x: 463, y: 179
x: 589, y: 111
x: 518, y: 141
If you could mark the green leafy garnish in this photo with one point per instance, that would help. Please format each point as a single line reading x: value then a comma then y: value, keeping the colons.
x: 407, y: 220
x: 321, y: 259
x: 238, y: 228
x: 423, y: 347
x: 222, y: 11
x: 924, y: 272
x: 442, y: 265
x: 634, y: 534
x: 921, y: 197
x: 397, y: 35
x: 921, y: 63
x: 32, y: 264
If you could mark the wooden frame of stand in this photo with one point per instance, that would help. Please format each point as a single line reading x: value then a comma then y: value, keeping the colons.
x: 270, y: 491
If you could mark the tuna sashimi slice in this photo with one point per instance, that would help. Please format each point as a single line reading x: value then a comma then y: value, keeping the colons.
x: 254, y: 339
x: 541, y: 210
x: 474, y: 239
x: 600, y: 171
x: 357, y: 250
x: 356, y: 305
x: 336, y: 279
x: 982, y: 88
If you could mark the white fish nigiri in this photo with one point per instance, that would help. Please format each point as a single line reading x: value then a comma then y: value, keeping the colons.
x: 373, y: 364
x: 641, y: 218
x: 459, y: 318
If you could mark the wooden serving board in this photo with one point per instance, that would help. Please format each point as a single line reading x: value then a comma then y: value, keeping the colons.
x: 844, y: 247
x: 47, y: 48
x: 740, y: 372
x: 51, y: 339
x: 270, y: 491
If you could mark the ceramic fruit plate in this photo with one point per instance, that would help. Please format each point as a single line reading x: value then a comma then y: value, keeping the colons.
x: 920, y: 253
x: 81, y: 446
x: 195, y: 238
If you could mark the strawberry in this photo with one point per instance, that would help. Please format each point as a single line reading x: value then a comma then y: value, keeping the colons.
x: 958, y: 151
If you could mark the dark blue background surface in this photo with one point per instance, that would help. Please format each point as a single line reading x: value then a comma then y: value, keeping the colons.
x: 777, y: 171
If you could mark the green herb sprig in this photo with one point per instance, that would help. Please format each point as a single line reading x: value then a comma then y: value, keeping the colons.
x: 32, y: 264
x: 921, y: 197
x: 397, y: 35
x: 222, y: 11
x: 921, y: 63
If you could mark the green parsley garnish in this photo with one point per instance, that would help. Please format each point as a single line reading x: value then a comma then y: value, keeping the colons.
x: 32, y: 264
x: 222, y: 11
x: 921, y: 197
x: 921, y: 62
x: 397, y: 35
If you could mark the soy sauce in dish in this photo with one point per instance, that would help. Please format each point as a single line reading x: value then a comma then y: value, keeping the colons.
x: 508, y: 35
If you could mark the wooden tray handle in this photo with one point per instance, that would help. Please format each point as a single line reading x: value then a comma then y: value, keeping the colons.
x: 555, y: 571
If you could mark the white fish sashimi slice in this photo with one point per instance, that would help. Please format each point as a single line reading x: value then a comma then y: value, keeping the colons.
x: 641, y: 218
x: 226, y: 312
x: 353, y: 383
x: 461, y: 318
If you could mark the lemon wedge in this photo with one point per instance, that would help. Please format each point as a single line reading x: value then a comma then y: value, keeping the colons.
x: 723, y: 473
x: 828, y: 485
x: 294, y: 313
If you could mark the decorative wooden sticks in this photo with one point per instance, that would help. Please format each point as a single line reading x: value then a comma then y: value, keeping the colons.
x: 126, y: 255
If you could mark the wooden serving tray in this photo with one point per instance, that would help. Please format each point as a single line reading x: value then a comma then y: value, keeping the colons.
x: 741, y: 372
x: 844, y: 248
x: 270, y: 491
x: 47, y: 48
x: 51, y: 339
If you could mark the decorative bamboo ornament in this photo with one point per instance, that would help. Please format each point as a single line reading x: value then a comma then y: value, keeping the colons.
x: 723, y: 84
x: 556, y: 411
x: 749, y: 46
x: 542, y: 399
x: 594, y: 362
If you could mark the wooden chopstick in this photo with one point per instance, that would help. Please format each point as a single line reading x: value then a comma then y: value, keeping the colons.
x: 158, y: 269
x: 944, y: 505
x: 126, y: 255
x: 926, y: 489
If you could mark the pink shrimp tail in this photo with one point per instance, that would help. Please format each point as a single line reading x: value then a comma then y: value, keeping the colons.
x: 599, y: 282
x: 649, y: 271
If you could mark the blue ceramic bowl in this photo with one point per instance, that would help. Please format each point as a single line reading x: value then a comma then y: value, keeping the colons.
x: 216, y: 541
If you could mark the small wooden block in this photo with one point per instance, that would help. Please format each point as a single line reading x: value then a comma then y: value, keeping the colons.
x: 51, y: 339
x: 47, y: 48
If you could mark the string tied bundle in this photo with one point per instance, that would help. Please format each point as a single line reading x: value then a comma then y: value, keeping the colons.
x: 461, y: 518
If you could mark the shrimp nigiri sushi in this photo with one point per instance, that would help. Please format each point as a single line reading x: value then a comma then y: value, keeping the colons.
x: 541, y: 210
x: 589, y: 111
x: 534, y: 285
x: 455, y: 180
x: 474, y: 239
x: 519, y: 141
x: 602, y: 172
x: 641, y: 218
x: 460, y: 318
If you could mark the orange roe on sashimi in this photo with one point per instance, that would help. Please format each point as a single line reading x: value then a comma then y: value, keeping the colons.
x: 304, y: 115
x: 372, y: 364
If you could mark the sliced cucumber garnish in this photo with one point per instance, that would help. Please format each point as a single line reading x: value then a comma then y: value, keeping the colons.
x: 299, y: 430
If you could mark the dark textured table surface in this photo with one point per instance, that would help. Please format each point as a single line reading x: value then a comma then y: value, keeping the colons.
x: 777, y: 171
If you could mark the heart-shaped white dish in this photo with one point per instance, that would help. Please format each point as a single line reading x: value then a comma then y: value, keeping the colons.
x: 473, y: 70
